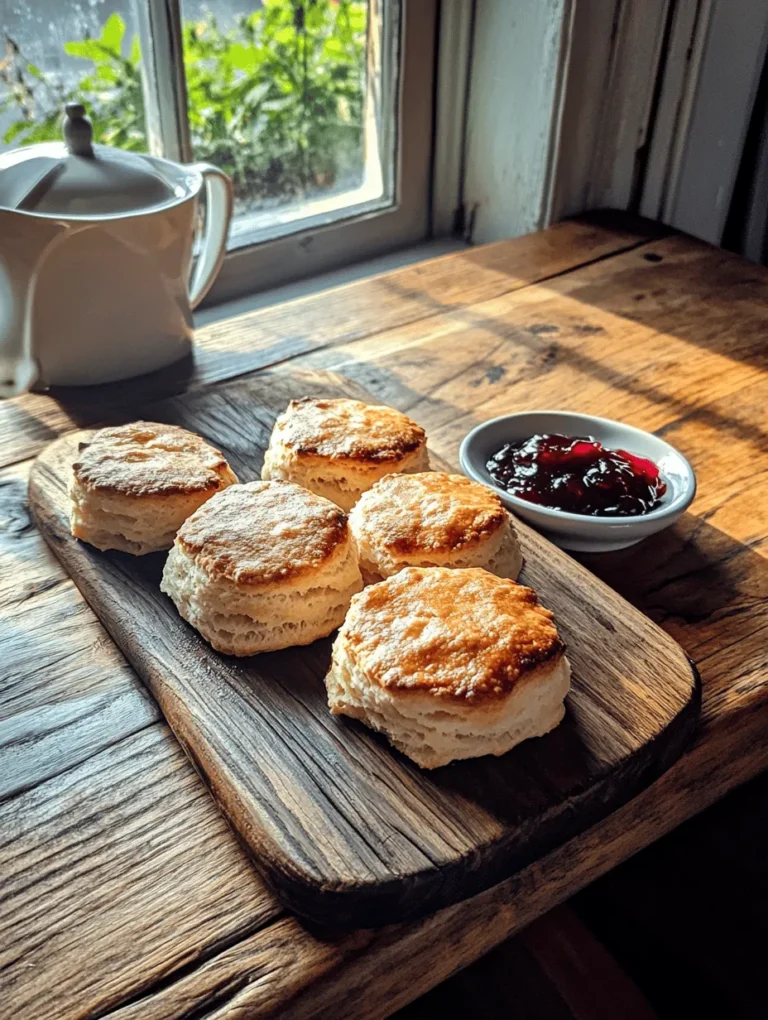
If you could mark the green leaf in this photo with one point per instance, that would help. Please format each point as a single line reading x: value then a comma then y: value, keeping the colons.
x: 358, y: 17
x: 286, y: 35
x: 87, y: 49
x: 333, y: 48
x: 245, y: 58
x: 43, y: 131
x: 112, y: 33
x: 13, y: 132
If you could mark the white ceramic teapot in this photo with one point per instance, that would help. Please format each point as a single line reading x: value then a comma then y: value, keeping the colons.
x: 96, y: 250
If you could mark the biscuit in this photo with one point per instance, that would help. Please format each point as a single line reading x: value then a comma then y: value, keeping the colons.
x: 339, y: 448
x: 432, y: 519
x: 449, y: 664
x: 133, y: 486
x: 263, y: 566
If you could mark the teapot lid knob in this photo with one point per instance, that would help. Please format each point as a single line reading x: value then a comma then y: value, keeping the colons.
x: 77, y: 130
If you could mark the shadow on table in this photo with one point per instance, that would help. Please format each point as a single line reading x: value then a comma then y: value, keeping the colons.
x: 542, y: 341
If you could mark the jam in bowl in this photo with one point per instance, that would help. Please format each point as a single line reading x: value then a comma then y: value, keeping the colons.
x: 577, y: 474
x: 587, y: 483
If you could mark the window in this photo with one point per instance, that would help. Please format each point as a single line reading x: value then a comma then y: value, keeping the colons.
x: 282, y: 99
x: 319, y: 110
x: 52, y: 51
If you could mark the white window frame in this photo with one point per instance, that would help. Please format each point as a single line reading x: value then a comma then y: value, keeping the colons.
x: 328, y: 232
x: 165, y: 87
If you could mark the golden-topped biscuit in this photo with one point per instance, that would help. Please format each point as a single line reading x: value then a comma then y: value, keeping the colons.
x: 132, y: 486
x: 339, y: 448
x: 264, y: 532
x: 461, y: 634
x: 343, y: 429
x: 145, y: 458
x: 429, y: 511
x: 263, y: 566
x: 433, y: 519
x: 449, y: 664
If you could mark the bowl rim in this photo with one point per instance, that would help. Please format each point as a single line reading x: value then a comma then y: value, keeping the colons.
x: 675, y: 507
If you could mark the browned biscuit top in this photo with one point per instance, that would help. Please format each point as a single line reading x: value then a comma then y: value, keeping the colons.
x: 148, y: 459
x: 347, y: 431
x: 461, y: 634
x: 428, y: 512
x: 263, y: 532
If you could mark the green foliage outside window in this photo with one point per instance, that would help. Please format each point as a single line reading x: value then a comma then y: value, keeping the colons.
x: 276, y: 100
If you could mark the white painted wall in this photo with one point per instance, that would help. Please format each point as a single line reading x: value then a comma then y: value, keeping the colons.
x: 623, y: 104
x: 513, y: 107
x: 560, y: 103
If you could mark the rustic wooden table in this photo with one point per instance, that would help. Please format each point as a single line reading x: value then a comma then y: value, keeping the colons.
x: 124, y: 893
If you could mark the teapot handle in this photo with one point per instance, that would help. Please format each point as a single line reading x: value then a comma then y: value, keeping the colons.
x: 218, y: 213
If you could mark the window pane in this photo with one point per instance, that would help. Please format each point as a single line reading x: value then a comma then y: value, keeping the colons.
x: 53, y: 52
x: 280, y: 95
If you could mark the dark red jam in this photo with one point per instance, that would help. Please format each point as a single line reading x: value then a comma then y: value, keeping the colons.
x: 579, y: 475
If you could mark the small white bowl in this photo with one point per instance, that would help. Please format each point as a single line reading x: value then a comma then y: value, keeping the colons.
x: 578, y: 531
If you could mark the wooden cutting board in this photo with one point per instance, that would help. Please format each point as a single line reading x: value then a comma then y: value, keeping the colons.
x: 346, y: 830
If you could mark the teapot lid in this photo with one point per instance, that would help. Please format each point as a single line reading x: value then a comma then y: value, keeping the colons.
x: 78, y: 178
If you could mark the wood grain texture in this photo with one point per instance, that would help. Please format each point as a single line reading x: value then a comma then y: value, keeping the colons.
x: 72, y: 877
x: 554, y: 971
x: 66, y: 691
x: 705, y: 581
x: 347, y: 831
x: 651, y: 342
x: 71, y: 709
x: 345, y: 314
x: 367, y: 976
